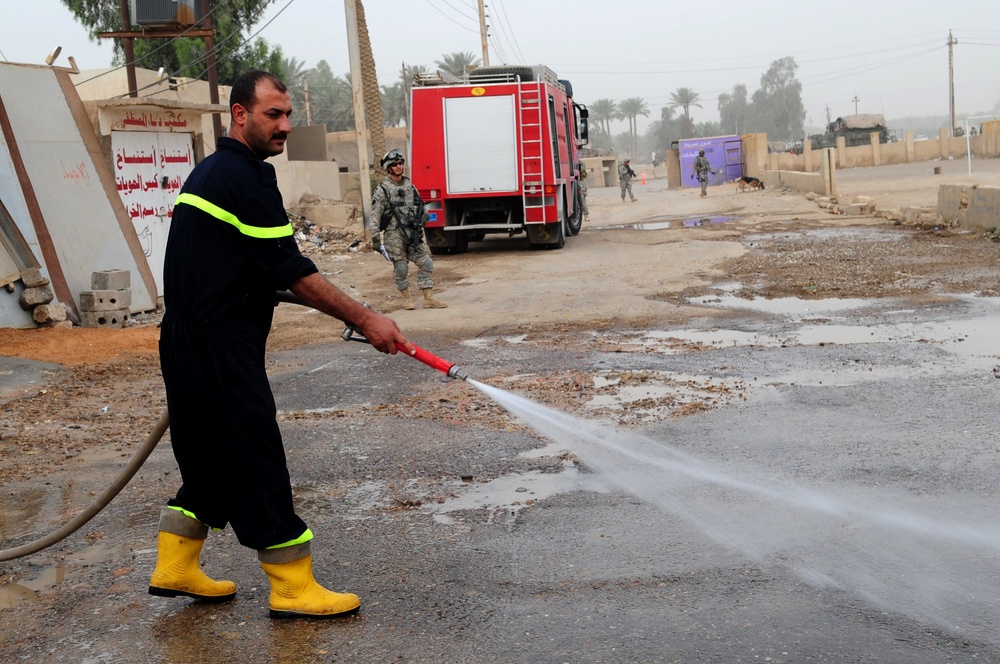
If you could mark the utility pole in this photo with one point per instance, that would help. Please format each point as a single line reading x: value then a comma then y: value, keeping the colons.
x: 482, y: 32
x: 360, y: 126
x: 305, y: 92
x: 828, y: 120
x: 951, y: 82
x: 855, y: 100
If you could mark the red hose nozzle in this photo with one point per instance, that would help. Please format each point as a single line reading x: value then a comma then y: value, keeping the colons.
x: 435, y: 362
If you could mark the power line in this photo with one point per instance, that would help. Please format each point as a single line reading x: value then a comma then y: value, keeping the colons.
x: 448, y: 16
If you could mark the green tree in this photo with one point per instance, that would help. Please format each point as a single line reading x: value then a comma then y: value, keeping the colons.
x: 630, y: 109
x: 331, y: 98
x: 457, y: 64
x: 235, y: 54
x: 777, y: 104
x: 294, y: 76
x: 734, y: 110
x: 602, y: 112
x: 685, y: 98
x: 665, y: 131
x: 394, y: 104
x: 707, y: 129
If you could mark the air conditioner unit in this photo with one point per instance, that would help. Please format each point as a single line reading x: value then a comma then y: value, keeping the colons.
x: 166, y: 13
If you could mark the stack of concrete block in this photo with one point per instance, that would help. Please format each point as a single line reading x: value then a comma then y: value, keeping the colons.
x: 109, y: 303
x: 37, y: 298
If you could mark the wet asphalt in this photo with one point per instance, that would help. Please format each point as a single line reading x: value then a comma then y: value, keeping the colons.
x: 842, y: 509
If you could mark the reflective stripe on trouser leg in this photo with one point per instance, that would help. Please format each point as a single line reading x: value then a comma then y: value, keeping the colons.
x: 178, y: 522
x: 285, y: 554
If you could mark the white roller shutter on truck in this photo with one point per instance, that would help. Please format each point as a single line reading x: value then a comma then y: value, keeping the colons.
x: 480, y: 144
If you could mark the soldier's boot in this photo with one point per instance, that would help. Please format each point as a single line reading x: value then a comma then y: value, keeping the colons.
x: 407, y: 300
x: 634, y: 199
x: 295, y: 592
x: 430, y: 302
x: 178, y: 571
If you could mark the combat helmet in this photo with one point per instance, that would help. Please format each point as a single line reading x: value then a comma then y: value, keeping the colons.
x: 392, y: 157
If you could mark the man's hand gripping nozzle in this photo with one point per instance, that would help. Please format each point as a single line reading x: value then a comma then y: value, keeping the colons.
x: 351, y: 333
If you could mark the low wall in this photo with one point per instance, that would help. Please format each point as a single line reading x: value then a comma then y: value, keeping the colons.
x: 297, y: 178
x: 601, y: 172
x: 969, y: 205
x: 986, y: 143
x: 823, y: 183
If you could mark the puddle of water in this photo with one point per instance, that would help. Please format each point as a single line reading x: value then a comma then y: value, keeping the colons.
x: 784, y: 306
x: 664, y: 223
x: 14, y: 594
x: 486, y: 342
x: 659, y: 392
x: 510, y: 494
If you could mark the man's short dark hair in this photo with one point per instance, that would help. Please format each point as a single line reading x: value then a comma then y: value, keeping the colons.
x: 245, y: 87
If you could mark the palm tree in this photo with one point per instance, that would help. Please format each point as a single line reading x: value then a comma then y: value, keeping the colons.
x: 602, y: 112
x: 394, y: 104
x: 295, y: 77
x: 630, y: 109
x: 685, y: 98
x: 369, y: 88
x: 457, y: 64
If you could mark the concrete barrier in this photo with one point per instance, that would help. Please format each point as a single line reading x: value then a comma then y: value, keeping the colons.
x: 823, y: 183
x: 967, y: 205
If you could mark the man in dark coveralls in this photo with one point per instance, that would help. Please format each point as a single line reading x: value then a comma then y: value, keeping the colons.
x: 230, y: 249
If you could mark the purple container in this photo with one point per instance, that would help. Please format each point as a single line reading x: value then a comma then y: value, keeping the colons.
x: 724, y: 153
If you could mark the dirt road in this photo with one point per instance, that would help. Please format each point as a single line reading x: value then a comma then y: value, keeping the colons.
x: 472, y: 539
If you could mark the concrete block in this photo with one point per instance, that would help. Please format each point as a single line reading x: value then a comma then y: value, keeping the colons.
x: 110, y: 319
x: 49, y: 313
x: 105, y: 300
x: 860, y: 210
x: 32, y: 278
x: 32, y: 297
x: 67, y: 324
x: 111, y: 280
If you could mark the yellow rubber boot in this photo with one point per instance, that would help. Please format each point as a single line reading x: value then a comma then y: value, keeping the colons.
x: 296, y: 594
x: 178, y: 571
x: 430, y: 302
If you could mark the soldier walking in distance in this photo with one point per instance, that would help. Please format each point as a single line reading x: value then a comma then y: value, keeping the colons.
x: 584, y: 207
x: 625, y: 176
x: 700, y: 172
x: 229, y: 250
x: 397, y: 224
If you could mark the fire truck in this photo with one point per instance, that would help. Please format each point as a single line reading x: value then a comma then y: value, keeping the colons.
x: 497, y: 151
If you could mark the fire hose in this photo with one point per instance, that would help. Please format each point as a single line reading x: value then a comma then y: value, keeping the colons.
x: 350, y: 333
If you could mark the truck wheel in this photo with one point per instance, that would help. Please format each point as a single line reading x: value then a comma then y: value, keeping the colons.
x: 574, y: 222
x: 560, y: 237
x: 461, y: 244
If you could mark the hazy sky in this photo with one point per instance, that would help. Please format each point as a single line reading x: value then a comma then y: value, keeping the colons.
x: 891, y: 55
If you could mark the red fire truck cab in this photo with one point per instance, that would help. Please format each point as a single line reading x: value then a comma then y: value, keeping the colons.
x: 497, y: 152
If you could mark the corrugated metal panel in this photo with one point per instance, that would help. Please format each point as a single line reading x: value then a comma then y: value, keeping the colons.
x: 481, y: 144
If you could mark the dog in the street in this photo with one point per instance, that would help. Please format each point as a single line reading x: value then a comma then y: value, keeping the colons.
x: 746, y: 182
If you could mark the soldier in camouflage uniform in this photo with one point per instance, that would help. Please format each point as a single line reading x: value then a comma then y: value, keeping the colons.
x: 584, y: 208
x: 397, y: 223
x: 625, y: 175
x: 700, y: 172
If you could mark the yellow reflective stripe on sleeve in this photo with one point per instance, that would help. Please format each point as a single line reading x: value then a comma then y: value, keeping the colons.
x: 265, y: 233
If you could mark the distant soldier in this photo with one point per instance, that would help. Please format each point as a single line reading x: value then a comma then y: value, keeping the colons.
x: 700, y: 172
x: 625, y: 175
x: 397, y: 224
x: 584, y: 208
